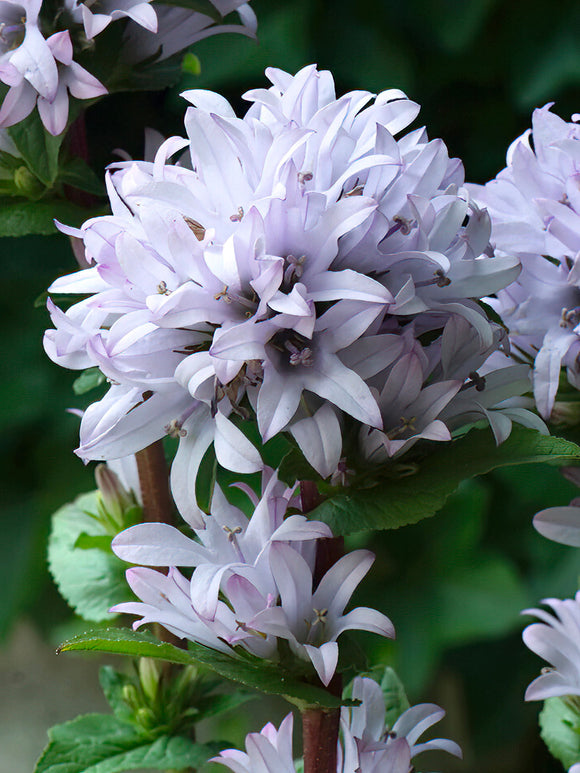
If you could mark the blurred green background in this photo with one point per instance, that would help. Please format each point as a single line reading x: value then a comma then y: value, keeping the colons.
x: 453, y: 585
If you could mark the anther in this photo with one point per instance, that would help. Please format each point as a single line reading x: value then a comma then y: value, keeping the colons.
x: 162, y: 288
x: 238, y: 216
x: 196, y: 227
x: 174, y: 429
x: 304, y: 177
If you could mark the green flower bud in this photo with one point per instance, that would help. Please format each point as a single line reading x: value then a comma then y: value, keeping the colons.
x: 28, y: 184
x: 131, y: 696
x: 149, y: 678
x: 116, y: 499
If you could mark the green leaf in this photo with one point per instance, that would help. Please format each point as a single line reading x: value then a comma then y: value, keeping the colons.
x: 253, y: 672
x: 398, y: 501
x: 396, y: 701
x: 560, y: 730
x: 38, y: 148
x: 88, y: 380
x: 21, y: 217
x: 78, y: 174
x: 90, y: 579
x: 112, y: 683
x: 101, y: 743
x: 89, y: 541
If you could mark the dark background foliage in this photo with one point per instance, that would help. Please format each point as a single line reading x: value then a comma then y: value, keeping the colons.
x: 454, y: 585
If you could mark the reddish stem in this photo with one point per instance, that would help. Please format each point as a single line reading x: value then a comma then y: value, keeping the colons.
x: 154, y: 480
x: 320, y: 726
x: 157, y: 507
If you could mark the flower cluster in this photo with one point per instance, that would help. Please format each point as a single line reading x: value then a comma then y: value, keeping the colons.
x: 37, y: 53
x: 556, y: 640
x: 534, y: 204
x: 299, y: 265
x: 262, y: 568
x: 368, y: 745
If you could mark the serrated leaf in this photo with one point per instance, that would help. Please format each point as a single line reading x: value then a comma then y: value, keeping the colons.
x: 254, y: 672
x: 112, y: 683
x: 422, y: 491
x: 560, y: 730
x: 91, y: 580
x: 101, y: 743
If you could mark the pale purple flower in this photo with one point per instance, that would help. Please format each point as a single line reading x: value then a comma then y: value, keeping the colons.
x: 560, y: 524
x: 276, y: 271
x: 556, y: 640
x: 96, y: 16
x: 260, y: 604
x: 534, y: 205
x: 312, y: 620
x: 229, y: 543
x: 39, y: 71
x: 269, y: 751
x: 369, y: 746
x: 178, y: 28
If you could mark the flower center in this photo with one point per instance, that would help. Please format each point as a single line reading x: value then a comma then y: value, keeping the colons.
x: 12, y: 27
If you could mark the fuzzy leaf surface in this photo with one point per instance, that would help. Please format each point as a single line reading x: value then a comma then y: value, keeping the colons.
x: 90, y: 579
x: 560, y: 730
x: 101, y: 743
x: 248, y: 670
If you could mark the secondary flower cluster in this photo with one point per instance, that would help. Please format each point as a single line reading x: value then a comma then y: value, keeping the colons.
x: 39, y: 43
x: 253, y: 581
x: 368, y: 745
x: 534, y: 204
x: 299, y: 265
x: 556, y: 640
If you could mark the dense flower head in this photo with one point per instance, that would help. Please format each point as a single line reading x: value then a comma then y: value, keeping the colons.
x: 534, y: 207
x: 253, y: 581
x: 298, y: 264
x: 368, y: 745
x: 556, y: 640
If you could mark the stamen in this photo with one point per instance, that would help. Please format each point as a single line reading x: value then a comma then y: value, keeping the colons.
x: 304, y: 177
x: 241, y: 626
x: 233, y: 540
x: 294, y: 268
x: 474, y: 380
x: 174, y: 429
x: 223, y: 294
x: 162, y: 288
x: 238, y: 216
x: 570, y: 317
x: 401, y: 224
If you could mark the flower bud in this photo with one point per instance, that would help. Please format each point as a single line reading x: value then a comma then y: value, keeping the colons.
x: 27, y: 183
x: 115, y: 498
x: 566, y: 413
x: 130, y: 696
x: 149, y: 678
